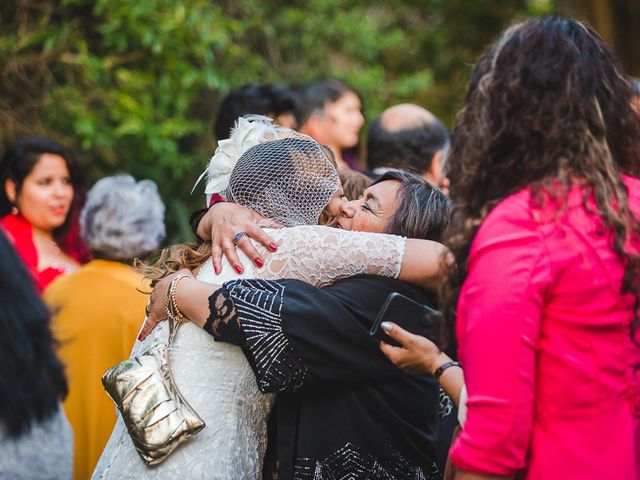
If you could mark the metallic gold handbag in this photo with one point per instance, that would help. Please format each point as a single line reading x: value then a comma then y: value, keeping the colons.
x: 156, y: 414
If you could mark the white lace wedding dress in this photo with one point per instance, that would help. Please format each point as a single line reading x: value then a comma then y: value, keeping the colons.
x: 216, y: 378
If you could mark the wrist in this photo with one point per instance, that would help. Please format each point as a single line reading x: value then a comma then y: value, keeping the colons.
x: 203, y: 231
x: 203, y: 227
x: 438, y: 362
x: 189, y: 297
x: 174, y: 298
x: 446, y: 367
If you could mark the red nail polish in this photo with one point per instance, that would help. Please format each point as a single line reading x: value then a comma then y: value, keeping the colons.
x: 273, y: 247
x: 259, y: 262
x: 217, y: 270
x: 238, y: 268
x: 140, y: 337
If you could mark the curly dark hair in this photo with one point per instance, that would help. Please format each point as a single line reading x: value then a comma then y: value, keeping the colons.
x: 546, y: 104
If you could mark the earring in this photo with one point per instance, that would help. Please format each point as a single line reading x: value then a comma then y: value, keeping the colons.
x: 14, y: 210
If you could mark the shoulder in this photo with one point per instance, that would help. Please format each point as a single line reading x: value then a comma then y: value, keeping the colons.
x: 300, y: 230
x: 374, y: 288
x: 514, y: 209
x: 116, y: 280
x: 98, y: 276
x: 322, y: 230
x: 60, y: 288
x: 15, y: 225
x: 19, y: 233
x: 511, y: 218
x: 314, y: 233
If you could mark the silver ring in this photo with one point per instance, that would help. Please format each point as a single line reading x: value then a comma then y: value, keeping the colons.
x: 238, y: 236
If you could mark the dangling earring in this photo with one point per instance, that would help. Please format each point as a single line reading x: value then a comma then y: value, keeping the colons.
x: 14, y: 210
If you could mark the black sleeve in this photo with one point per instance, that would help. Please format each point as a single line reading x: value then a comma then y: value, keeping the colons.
x: 194, y: 220
x: 298, y: 336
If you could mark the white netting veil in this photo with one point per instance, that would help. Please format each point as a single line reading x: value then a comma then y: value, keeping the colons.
x: 290, y: 180
x: 248, y: 131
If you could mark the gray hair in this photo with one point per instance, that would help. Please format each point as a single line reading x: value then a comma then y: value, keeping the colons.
x: 423, y: 210
x: 122, y: 219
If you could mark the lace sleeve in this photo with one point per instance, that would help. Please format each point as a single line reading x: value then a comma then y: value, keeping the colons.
x: 322, y: 255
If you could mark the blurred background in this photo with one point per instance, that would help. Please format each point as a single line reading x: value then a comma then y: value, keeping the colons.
x: 133, y: 85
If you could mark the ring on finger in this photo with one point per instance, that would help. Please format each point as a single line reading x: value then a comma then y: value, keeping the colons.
x: 238, y: 236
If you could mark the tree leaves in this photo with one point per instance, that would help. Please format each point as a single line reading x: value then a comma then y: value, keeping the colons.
x: 133, y: 86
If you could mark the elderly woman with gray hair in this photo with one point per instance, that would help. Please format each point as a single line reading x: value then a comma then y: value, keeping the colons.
x: 98, y: 309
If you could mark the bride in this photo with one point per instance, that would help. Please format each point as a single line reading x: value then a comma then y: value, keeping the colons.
x: 292, y: 179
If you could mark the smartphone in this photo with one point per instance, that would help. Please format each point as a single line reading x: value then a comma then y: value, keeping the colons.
x: 414, y: 317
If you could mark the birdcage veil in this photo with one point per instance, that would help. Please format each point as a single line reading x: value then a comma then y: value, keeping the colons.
x: 248, y: 131
x: 290, y: 180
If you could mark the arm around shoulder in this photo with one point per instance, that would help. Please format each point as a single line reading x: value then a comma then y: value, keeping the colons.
x: 424, y: 263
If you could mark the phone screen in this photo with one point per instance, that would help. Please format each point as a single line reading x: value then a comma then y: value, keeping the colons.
x: 414, y: 317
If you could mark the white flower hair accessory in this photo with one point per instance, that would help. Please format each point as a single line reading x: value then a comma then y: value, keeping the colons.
x: 248, y: 131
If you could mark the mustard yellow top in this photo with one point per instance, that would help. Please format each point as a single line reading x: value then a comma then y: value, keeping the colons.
x: 98, y: 312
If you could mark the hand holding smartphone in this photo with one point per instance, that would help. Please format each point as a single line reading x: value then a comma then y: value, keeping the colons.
x: 414, y: 317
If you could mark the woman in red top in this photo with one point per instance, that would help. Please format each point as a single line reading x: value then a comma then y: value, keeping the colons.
x: 41, y: 196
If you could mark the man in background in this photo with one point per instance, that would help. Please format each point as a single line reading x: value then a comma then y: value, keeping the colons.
x: 408, y: 137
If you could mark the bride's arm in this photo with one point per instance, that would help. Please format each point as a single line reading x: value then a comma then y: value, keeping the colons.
x: 421, y: 264
x: 322, y: 255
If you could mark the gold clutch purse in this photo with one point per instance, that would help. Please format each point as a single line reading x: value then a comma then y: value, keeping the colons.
x: 156, y: 414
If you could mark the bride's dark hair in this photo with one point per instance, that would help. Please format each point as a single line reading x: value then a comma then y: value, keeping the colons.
x: 547, y: 107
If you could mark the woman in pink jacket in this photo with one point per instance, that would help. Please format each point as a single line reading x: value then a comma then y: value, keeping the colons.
x: 545, y: 165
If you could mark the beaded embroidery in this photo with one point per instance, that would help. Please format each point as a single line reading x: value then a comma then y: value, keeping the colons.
x: 277, y: 365
x: 350, y: 463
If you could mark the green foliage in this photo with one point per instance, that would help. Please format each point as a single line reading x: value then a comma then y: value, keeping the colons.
x: 133, y: 85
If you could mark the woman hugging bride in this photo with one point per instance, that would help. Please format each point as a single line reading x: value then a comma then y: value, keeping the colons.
x: 290, y: 179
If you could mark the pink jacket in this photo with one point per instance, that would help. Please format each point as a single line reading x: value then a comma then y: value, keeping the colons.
x: 552, y: 375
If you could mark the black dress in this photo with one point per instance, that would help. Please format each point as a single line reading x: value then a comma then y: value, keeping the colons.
x: 343, y: 410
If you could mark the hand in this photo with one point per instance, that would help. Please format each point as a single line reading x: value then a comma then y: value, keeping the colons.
x: 417, y: 355
x: 223, y: 221
x: 157, y: 311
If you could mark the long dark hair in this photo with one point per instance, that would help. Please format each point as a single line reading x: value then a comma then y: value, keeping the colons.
x: 18, y: 162
x: 32, y: 379
x: 547, y: 106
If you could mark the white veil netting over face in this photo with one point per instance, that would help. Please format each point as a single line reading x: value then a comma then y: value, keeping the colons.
x: 281, y: 174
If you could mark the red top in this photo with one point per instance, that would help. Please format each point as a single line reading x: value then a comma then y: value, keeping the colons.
x: 21, y: 234
x: 552, y: 376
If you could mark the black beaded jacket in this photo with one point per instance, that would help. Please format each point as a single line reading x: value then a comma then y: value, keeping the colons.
x: 343, y: 410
